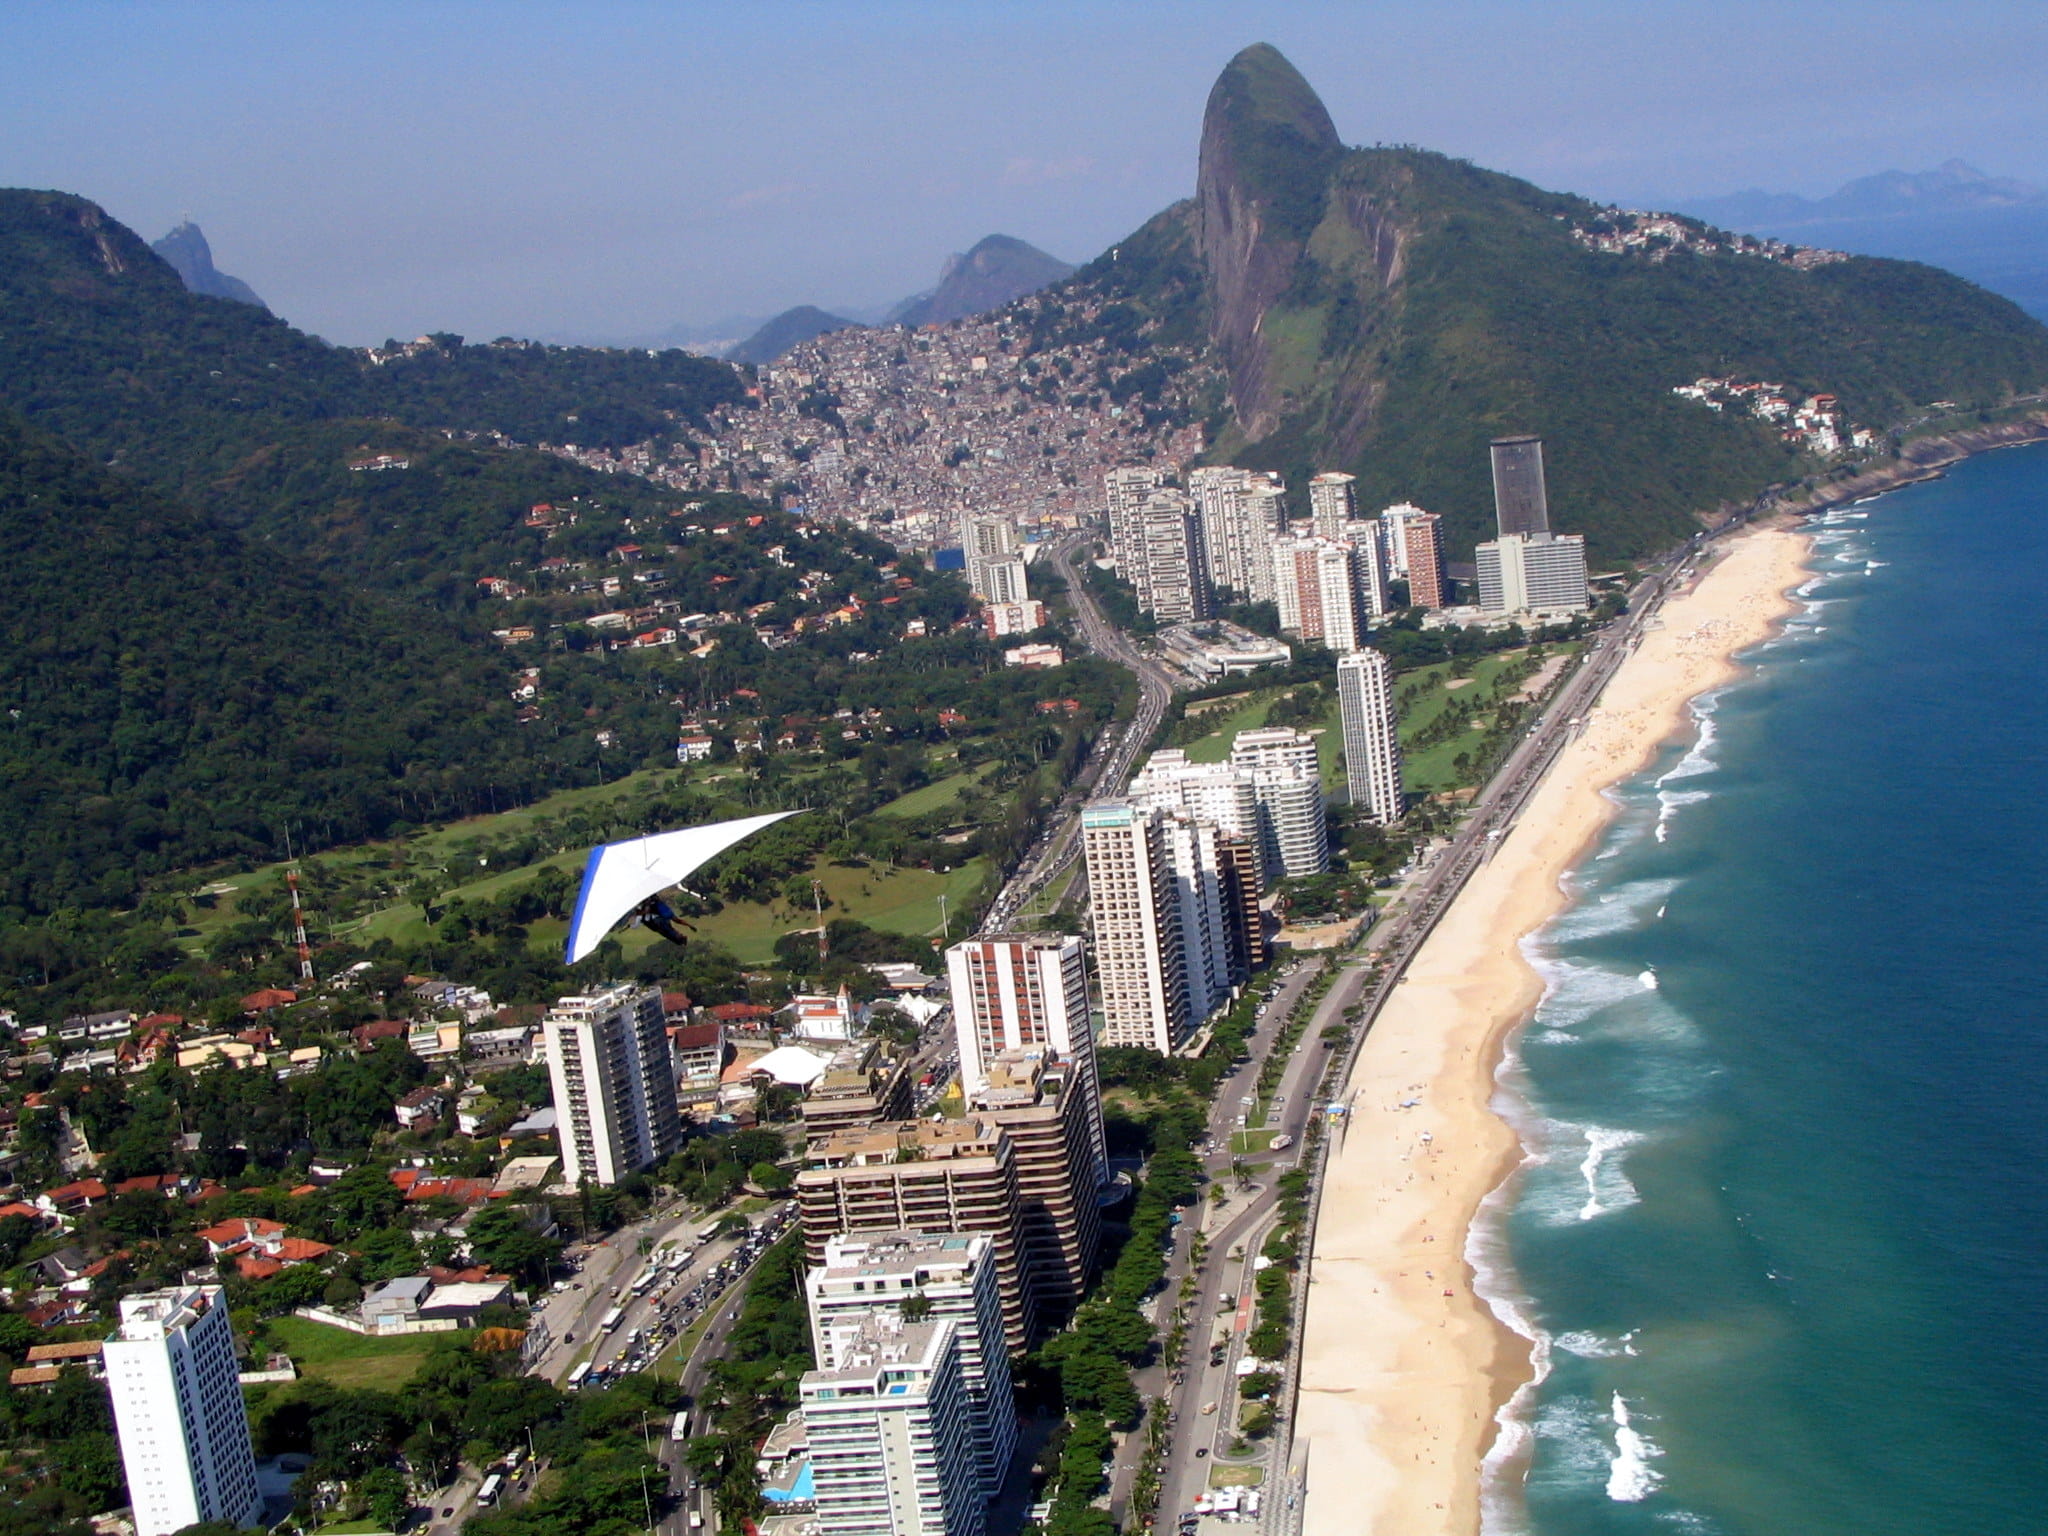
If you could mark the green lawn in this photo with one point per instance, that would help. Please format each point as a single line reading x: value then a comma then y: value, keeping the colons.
x: 353, y: 1359
x: 937, y: 795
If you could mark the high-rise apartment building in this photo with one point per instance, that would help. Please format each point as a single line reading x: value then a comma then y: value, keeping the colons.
x: 1265, y: 521
x: 1219, y: 492
x: 1052, y: 1115
x: 922, y: 1176
x: 1520, y: 502
x: 949, y: 1275
x: 1287, y: 779
x: 1421, y: 541
x: 1135, y: 910
x: 1316, y: 588
x: 1372, y: 744
x: 890, y: 1427
x: 1126, y: 491
x: 1204, y: 884
x: 1027, y: 992
x: 1217, y: 793
x: 178, y: 1411
x: 1538, y: 573
x: 1332, y: 502
x: 615, y: 1092
x: 1370, y: 574
x: 995, y: 566
x: 1171, y: 573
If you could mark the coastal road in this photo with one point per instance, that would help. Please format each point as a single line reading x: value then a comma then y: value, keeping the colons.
x: 1197, y: 1437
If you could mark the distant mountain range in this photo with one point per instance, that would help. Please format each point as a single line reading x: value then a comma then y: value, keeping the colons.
x: 185, y: 248
x: 999, y: 269
x: 1990, y: 229
x: 1951, y: 188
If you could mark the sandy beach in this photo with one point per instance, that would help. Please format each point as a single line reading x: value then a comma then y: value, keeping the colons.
x: 1403, y: 1366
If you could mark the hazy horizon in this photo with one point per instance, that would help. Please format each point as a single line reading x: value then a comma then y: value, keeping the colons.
x: 611, y: 173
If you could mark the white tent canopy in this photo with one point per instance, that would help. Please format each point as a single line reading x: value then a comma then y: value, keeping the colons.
x: 620, y: 876
x: 793, y: 1065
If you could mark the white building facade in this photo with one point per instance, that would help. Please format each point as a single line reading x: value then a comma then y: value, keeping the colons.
x: 1287, y: 782
x: 950, y: 1275
x: 1135, y: 911
x: 1536, y: 573
x: 1372, y: 743
x: 890, y: 1432
x: 615, y: 1091
x: 178, y: 1410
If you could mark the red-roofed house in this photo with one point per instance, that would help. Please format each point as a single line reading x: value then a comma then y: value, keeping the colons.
x: 69, y: 1199
x: 239, y: 1232
x: 368, y: 1035
x: 269, y: 998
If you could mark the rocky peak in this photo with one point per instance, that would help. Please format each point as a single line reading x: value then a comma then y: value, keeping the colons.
x: 1268, y: 149
x: 185, y: 248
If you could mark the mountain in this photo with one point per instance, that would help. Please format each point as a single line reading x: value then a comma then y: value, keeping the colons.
x: 1990, y: 229
x: 1387, y: 311
x: 170, y: 694
x: 185, y: 248
x: 791, y: 328
x: 1950, y: 188
x: 999, y: 269
x: 226, y: 406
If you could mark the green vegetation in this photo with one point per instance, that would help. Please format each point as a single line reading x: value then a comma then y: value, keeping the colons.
x: 344, y: 1359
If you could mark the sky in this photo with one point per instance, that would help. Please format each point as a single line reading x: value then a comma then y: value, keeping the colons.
x: 607, y: 171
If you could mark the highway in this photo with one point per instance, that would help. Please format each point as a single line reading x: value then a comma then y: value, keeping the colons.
x: 1114, y: 757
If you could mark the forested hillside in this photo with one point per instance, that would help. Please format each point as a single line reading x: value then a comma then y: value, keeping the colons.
x: 172, y: 695
x: 101, y: 344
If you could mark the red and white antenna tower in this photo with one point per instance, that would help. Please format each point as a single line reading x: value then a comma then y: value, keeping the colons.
x: 291, y: 878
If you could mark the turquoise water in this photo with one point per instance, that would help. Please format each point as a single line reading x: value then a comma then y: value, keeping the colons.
x: 1781, y: 1240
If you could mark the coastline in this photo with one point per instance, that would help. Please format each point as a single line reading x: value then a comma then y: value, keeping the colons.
x: 1404, y: 1365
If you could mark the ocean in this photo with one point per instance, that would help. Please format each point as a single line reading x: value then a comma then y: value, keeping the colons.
x: 1781, y: 1240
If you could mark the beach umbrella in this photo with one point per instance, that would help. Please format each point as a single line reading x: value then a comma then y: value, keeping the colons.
x: 628, y: 877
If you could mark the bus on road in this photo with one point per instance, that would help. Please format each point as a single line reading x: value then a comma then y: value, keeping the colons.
x: 488, y: 1494
x: 578, y: 1376
x: 612, y: 1319
x: 680, y: 1430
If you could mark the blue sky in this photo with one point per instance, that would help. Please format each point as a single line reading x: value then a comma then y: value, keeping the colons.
x: 599, y: 170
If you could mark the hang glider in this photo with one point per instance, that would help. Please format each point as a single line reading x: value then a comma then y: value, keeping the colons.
x: 628, y: 878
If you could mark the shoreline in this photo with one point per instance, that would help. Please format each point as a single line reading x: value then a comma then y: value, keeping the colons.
x: 1404, y: 1364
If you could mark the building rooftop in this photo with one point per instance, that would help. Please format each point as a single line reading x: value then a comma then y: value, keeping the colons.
x: 873, y: 1345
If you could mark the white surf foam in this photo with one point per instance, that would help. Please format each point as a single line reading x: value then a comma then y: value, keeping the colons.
x: 1648, y: 979
x: 1607, y: 1187
x: 1631, y: 1478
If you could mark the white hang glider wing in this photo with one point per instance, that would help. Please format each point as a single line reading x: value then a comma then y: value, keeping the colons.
x: 620, y: 876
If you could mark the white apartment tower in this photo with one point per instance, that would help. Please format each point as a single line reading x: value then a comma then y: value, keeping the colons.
x: 951, y: 1275
x: 1171, y: 573
x: 891, y: 1432
x: 1217, y: 793
x: 1125, y: 491
x: 1219, y: 493
x: 1332, y: 502
x: 1538, y: 573
x: 1202, y: 885
x: 1024, y: 992
x: 1287, y: 779
x: 1372, y: 744
x: 615, y: 1091
x: 178, y: 1410
x: 1135, y: 909
x: 995, y: 568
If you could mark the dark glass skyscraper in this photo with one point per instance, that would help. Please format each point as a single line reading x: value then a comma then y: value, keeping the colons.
x: 1519, y: 501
